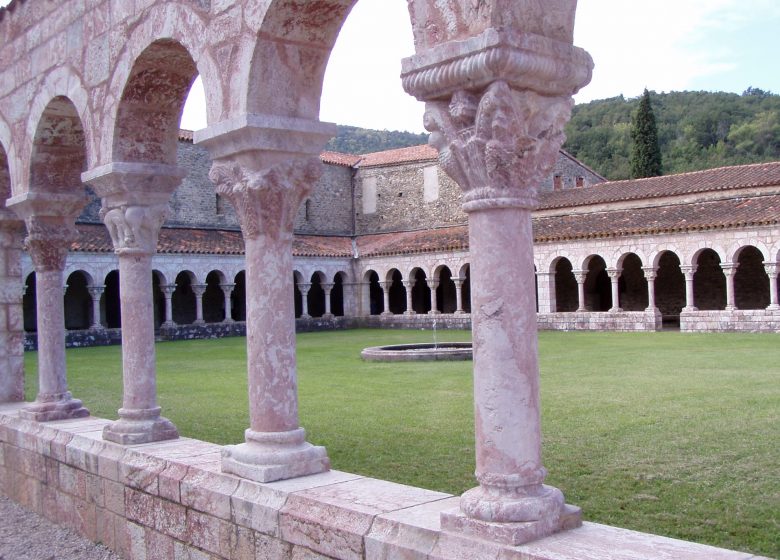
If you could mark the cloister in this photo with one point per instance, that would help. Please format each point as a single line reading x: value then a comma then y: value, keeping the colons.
x: 91, y: 93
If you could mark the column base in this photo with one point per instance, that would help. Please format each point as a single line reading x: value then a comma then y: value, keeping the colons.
x: 410, y: 313
x: 691, y: 308
x: 511, y: 517
x: 386, y: 313
x: 328, y: 316
x: 98, y: 328
x: 773, y: 307
x: 199, y: 322
x: 432, y: 312
x: 136, y: 426
x: 168, y: 325
x: 615, y: 309
x: 730, y: 308
x: 459, y: 312
x: 48, y: 408
x: 228, y: 321
x: 271, y: 456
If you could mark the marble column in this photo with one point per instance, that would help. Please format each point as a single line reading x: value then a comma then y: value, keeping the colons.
x: 304, y: 289
x: 650, y: 274
x: 499, y: 128
x: 327, y: 288
x: 459, y: 295
x: 266, y: 165
x: 95, y: 292
x: 614, y: 278
x: 12, y: 329
x: 689, y: 271
x: 227, y: 291
x: 546, y: 283
x: 433, y: 285
x: 409, y: 285
x: 199, y: 290
x: 580, y: 276
x: 50, y: 221
x: 771, y: 271
x: 729, y: 270
x: 134, y: 204
x: 386, y: 295
x: 167, y: 291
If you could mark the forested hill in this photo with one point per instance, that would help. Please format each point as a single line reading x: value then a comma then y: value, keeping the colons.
x: 354, y: 140
x: 696, y: 130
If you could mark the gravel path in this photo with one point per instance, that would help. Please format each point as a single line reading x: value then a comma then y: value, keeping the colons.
x: 28, y: 536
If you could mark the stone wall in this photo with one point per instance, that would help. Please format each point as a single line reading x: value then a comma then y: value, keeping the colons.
x: 11, y: 317
x: 749, y: 320
x: 622, y: 321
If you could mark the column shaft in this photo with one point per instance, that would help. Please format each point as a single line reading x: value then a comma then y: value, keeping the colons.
x: 409, y: 285
x: 772, y: 273
x: 386, y: 295
x: 689, y: 272
x: 580, y: 276
x: 459, y: 295
x: 95, y: 293
x: 730, y: 270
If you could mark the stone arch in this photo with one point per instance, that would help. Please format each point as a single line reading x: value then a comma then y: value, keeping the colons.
x: 238, y: 297
x: 632, y: 284
x: 709, y: 282
x: 655, y: 257
x: 373, y: 295
x: 397, y: 291
x: 669, y: 286
x: 446, y: 294
x: 214, y: 298
x: 751, y: 282
x: 158, y: 281
x: 183, y: 299
x: 465, y: 274
x: 78, y: 302
x: 598, y: 287
x: 8, y: 165
x: 316, y: 296
x: 337, y: 294
x: 721, y: 254
x: 737, y: 250
x: 297, y: 295
x: 565, y: 285
x: 29, y: 306
x: 421, y: 292
x: 111, y: 307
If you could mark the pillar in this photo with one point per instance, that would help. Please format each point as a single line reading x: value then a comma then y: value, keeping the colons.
x: 95, y: 292
x: 409, y: 285
x: 50, y: 221
x: 199, y: 290
x: 771, y: 271
x: 433, y: 284
x: 327, y: 288
x: 498, y: 127
x: 304, y: 289
x: 614, y: 278
x: 689, y: 271
x: 12, y: 329
x: 134, y: 204
x: 459, y: 295
x: 580, y: 276
x: 227, y: 291
x: 266, y: 166
x: 650, y: 274
x: 546, y: 282
x: 386, y: 295
x: 729, y: 270
x: 167, y: 291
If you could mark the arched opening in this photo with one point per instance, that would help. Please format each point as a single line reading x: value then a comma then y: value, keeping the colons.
x: 421, y: 292
x: 183, y: 299
x: 751, y: 282
x: 214, y: 298
x: 598, y: 287
x: 316, y: 296
x: 297, y: 295
x: 632, y: 284
x: 158, y: 279
x: 78, y: 302
x: 446, y: 294
x: 29, y: 305
x: 373, y: 293
x: 566, y: 296
x: 709, y: 282
x: 238, y: 297
x: 113, y: 317
x: 669, y: 288
x: 466, y: 290
x: 337, y: 295
x: 397, y: 292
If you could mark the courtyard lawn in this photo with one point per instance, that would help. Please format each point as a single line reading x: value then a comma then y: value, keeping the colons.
x: 668, y: 433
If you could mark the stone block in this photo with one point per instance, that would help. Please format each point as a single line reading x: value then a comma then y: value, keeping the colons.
x: 72, y: 481
x: 83, y: 453
x: 209, y: 533
x: 58, y: 446
x: 257, y: 507
x: 208, y: 492
x: 141, y: 472
x: 169, y: 481
x: 269, y: 548
x: 158, y: 545
x: 109, y: 461
x: 105, y: 522
x: 183, y: 552
x: 134, y: 542
x: 3, y: 477
x: 242, y: 543
x: 84, y: 519
x: 114, y: 496
x: 94, y: 493
x: 140, y: 507
x: 171, y: 519
x: 301, y: 553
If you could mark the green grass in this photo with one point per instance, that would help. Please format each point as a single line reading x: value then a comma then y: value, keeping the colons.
x: 668, y: 433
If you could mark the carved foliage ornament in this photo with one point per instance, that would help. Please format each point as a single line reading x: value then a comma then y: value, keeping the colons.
x: 267, y: 201
x: 48, y: 243
x: 500, y: 146
x: 134, y: 228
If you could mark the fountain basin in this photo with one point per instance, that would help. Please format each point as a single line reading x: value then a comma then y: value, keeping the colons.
x: 424, y: 352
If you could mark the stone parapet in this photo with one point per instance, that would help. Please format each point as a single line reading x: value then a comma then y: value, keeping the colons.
x: 621, y: 321
x: 170, y: 500
x: 736, y: 320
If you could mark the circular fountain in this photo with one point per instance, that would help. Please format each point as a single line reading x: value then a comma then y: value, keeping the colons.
x: 421, y: 352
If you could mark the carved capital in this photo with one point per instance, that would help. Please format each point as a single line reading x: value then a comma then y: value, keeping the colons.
x: 134, y: 229
x: 168, y: 290
x: 614, y: 273
x: 48, y: 241
x: 266, y: 201
x: 199, y: 289
x: 96, y: 291
x: 498, y: 145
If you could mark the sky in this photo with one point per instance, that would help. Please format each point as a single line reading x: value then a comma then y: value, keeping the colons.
x: 662, y: 45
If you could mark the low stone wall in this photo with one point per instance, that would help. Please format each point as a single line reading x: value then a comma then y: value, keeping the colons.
x: 621, y: 321
x: 739, y: 320
x: 170, y: 500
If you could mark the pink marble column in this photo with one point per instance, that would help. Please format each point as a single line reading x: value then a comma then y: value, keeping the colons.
x: 386, y: 295
x: 409, y: 285
x: 304, y: 289
x: 433, y: 285
x: 580, y: 276
x: 614, y: 278
x: 689, y: 271
x: 12, y: 329
x: 50, y: 220
x: 199, y: 290
x: 327, y: 288
x: 771, y: 271
x: 167, y: 291
x: 227, y: 290
x: 498, y: 127
x: 134, y: 205
x: 95, y: 292
x: 459, y: 295
x: 650, y: 274
x: 729, y: 270
x: 266, y: 165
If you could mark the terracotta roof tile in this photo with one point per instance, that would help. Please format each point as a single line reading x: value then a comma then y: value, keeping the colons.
x: 186, y: 135
x: 337, y: 158
x: 407, y: 242
x: 722, y: 178
x: 424, y: 152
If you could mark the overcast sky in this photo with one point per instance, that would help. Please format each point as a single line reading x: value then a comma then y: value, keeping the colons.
x: 664, y: 45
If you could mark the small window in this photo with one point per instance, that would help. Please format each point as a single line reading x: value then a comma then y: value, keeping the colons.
x: 580, y: 182
x: 307, y: 209
x: 557, y: 183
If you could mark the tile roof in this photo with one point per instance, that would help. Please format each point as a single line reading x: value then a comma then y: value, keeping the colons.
x: 424, y: 152
x: 424, y: 241
x: 337, y: 158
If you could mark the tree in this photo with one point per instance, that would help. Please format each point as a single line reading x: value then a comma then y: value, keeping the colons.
x: 645, y: 152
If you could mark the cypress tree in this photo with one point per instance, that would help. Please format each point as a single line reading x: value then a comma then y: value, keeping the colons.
x: 645, y: 152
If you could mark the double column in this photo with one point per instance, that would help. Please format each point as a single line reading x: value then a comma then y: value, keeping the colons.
x: 134, y: 205
x: 50, y: 220
x: 266, y: 165
x: 498, y: 129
